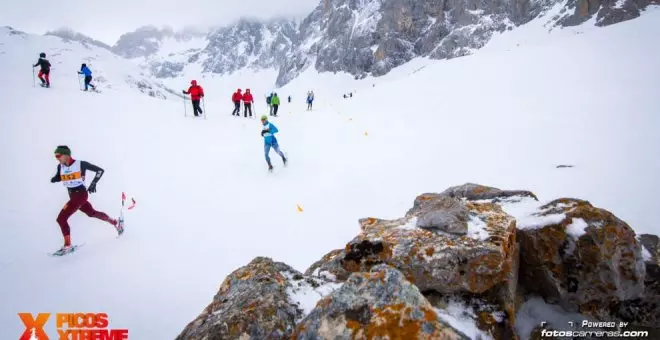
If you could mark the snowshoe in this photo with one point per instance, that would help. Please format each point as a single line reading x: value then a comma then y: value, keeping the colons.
x: 66, y: 250
x: 119, y: 226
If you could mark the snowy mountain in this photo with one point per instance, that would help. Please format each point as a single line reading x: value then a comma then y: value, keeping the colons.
x: 370, y: 37
x: 359, y: 37
x: 249, y: 44
x: 66, y: 50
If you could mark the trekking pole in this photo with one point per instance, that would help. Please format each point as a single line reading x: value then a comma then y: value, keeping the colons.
x: 79, y: 84
x: 204, y: 106
x: 185, y: 109
x: 33, y: 80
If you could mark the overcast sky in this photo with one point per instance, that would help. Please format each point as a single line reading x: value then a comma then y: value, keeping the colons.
x: 106, y: 20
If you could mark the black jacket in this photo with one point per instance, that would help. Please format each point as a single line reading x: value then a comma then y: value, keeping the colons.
x: 44, y: 63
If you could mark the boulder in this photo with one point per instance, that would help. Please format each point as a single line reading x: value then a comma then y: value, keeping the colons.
x: 380, y: 304
x: 582, y: 258
x: 471, y: 249
x: 257, y: 301
x: 478, y: 260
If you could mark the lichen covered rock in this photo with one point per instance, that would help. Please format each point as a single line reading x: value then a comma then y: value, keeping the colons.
x: 584, y: 258
x: 435, y: 260
x: 380, y: 304
x: 255, y: 302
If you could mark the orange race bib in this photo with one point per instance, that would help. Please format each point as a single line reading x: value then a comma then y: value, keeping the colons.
x: 70, y: 177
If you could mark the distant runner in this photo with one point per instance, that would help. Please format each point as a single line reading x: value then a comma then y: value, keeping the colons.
x: 268, y: 131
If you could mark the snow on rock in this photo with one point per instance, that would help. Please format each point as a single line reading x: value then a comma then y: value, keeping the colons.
x: 576, y: 228
x: 380, y: 303
x: 587, y: 261
x: 462, y: 318
x: 305, y: 292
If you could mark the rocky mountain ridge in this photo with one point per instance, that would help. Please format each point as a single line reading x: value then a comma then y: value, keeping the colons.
x: 359, y: 37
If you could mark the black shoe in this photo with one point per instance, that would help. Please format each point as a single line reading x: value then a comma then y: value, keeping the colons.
x: 284, y: 160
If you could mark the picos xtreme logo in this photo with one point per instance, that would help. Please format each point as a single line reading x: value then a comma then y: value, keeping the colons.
x: 71, y: 326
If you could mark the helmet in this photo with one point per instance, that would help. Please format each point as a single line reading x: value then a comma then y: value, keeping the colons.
x: 193, y: 82
x: 42, y: 55
x: 83, y: 65
x: 264, y: 117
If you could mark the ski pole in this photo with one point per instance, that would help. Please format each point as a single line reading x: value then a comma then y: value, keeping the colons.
x: 79, y: 84
x: 204, y: 106
x: 33, y: 80
x: 185, y: 109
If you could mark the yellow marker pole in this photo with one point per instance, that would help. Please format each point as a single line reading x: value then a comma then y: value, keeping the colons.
x: 300, y: 209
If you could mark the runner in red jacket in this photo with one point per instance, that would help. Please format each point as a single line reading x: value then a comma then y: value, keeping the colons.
x: 236, y: 98
x: 196, y: 93
x: 247, y: 102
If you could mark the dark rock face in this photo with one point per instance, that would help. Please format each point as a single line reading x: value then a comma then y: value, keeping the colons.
x: 651, y: 244
x: 330, y: 265
x: 380, y: 304
x: 372, y: 37
x: 166, y: 69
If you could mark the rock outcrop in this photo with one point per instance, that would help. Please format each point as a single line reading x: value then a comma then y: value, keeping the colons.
x: 472, y: 253
x: 379, y: 304
x: 253, y: 302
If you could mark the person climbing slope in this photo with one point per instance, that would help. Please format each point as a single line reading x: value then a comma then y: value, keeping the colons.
x: 268, y: 132
x: 88, y: 76
x: 196, y: 93
x: 71, y: 173
x: 44, y: 70
x: 247, y: 102
x: 310, y: 100
x: 269, y: 102
x: 275, y: 103
x: 236, y: 98
x: 289, y: 99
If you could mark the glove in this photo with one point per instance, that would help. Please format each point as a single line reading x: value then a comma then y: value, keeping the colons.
x: 184, y: 92
x: 263, y: 132
x: 53, y: 180
x: 92, y: 188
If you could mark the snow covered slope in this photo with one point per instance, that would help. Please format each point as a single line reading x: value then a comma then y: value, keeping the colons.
x: 206, y: 204
x: 19, y: 50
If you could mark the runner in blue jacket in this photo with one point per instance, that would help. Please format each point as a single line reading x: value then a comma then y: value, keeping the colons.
x: 88, y: 76
x: 268, y: 131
